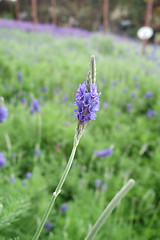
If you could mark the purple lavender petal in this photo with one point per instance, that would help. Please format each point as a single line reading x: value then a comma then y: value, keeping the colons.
x: 105, y: 152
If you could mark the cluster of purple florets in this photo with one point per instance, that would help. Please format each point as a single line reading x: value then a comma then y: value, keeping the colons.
x: 35, y: 106
x: 3, y: 113
x: 87, y: 102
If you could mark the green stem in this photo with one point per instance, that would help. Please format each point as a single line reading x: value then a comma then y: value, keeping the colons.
x: 107, y: 211
x: 58, y: 189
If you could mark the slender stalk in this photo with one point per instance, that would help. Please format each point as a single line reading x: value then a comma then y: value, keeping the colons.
x: 58, y: 189
x: 107, y: 211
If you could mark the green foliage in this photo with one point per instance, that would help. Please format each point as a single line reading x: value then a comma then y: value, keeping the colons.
x: 62, y: 64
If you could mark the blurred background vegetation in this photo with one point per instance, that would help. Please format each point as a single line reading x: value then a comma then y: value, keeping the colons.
x: 124, y: 17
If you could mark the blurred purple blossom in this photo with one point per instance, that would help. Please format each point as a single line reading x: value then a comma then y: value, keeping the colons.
x: 97, y: 183
x: 3, y: 113
x: 24, y: 100
x: 12, y: 179
x: 137, y: 85
x: 149, y: 94
x: 2, y: 160
x: 48, y: 225
x: 45, y: 88
x: 24, y: 183
x: 151, y: 113
x: 28, y: 175
x: 135, y: 78
x: 35, y: 106
x: 19, y: 77
x: 105, y: 152
x: 129, y: 107
x: 115, y: 82
x: 105, y: 105
x: 37, y: 152
x: 63, y: 207
x: 125, y: 90
x: 133, y: 95
x: 65, y: 99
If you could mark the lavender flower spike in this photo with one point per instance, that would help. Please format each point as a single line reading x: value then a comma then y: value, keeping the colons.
x: 87, y: 99
x: 3, y: 110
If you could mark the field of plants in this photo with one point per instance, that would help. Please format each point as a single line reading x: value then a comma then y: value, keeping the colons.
x: 39, y: 74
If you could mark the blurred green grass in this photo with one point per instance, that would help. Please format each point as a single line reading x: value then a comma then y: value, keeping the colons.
x: 61, y: 64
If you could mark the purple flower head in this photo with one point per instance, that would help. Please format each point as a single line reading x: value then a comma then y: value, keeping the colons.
x: 28, y: 175
x: 19, y: 77
x: 148, y: 94
x: 63, y: 207
x: 12, y: 179
x: 3, y: 113
x: 87, y: 99
x: 2, y: 160
x: 97, y: 183
x: 35, y: 106
x: 104, y: 153
x: 48, y: 225
x: 150, y: 113
x: 87, y: 103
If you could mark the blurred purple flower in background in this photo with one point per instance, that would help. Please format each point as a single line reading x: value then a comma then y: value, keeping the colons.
x: 104, y: 153
x: 24, y: 183
x: 149, y: 94
x: 129, y: 107
x: 135, y: 78
x: 19, y: 77
x: 105, y: 105
x: 45, y: 88
x: 137, y: 85
x: 24, y: 100
x: 37, y: 152
x: 133, y: 95
x: 97, y: 183
x: 2, y: 160
x: 3, y: 113
x: 115, y: 82
x: 48, y: 225
x: 151, y: 113
x: 12, y: 179
x: 35, y: 106
x: 125, y: 90
x: 63, y: 207
x: 28, y: 175
x: 65, y: 99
